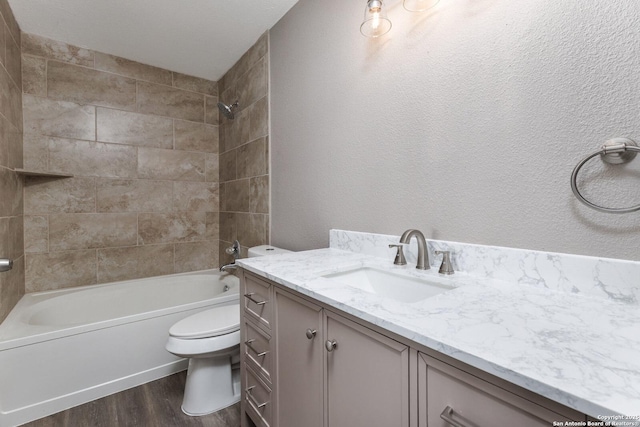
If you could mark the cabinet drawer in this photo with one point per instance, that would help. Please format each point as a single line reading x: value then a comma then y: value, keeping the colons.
x: 256, y: 297
x: 470, y: 401
x: 257, y: 396
x: 257, y: 351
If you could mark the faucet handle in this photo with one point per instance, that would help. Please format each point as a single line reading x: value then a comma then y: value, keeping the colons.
x: 234, y: 250
x: 445, y: 267
x: 399, y: 260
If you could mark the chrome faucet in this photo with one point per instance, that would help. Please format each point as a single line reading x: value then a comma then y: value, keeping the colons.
x: 423, y: 252
x: 230, y: 266
x: 235, y: 251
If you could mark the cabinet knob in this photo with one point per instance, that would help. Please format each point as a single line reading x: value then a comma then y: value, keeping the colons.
x: 330, y: 345
x: 311, y: 333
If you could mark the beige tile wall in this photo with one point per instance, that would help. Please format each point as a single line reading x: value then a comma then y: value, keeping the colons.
x: 244, y: 151
x: 142, y: 144
x: 11, y: 201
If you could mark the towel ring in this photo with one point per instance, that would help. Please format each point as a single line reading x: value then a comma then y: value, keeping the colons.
x: 616, y: 151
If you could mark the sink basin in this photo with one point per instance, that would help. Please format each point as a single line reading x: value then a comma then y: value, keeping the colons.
x: 388, y: 284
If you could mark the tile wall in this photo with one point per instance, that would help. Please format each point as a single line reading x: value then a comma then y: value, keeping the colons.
x: 142, y: 146
x: 11, y: 201
x: 244, y: 152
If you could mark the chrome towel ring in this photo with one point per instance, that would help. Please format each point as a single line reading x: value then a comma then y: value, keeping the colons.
x: 616, y: 151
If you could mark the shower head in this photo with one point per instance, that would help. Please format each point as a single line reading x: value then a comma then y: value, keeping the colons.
x: 228, y: 110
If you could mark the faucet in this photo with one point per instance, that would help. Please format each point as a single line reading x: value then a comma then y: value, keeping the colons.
x: 230, y: 266
x: 423, y: 253
x: 235, y: 251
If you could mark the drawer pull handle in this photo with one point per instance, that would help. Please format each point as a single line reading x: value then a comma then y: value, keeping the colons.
x: 330, y: 345
x: 253, y: 300
x: 447, y: 416
x: 253, y: 400
x: 311, y: 333
x: 258, y: 353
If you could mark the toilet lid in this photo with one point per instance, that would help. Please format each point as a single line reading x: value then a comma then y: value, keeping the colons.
x: 209, y: 323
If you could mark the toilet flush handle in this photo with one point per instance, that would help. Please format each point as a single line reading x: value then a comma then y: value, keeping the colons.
x: 5, y: 264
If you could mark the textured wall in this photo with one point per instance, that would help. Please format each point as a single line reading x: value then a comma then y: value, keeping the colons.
x: 465, y: 121
x: 244, y: 152
x: 11, y: 202
x: 142, y: 144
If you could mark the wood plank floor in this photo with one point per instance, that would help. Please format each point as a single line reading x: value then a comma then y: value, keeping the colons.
x: 155, y: 404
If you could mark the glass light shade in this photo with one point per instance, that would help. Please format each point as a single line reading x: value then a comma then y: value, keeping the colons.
x: 375, y: 21
x: 419, y: 5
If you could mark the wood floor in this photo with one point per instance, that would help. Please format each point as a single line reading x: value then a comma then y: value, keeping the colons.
x: 155, y: 404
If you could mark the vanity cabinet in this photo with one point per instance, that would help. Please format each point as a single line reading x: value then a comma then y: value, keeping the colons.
x: 360, y: 375
x: 304, y: 364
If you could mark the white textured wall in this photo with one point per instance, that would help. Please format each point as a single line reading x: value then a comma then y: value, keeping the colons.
x: 464, y: 122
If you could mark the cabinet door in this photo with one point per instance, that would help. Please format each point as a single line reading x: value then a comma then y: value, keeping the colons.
x: 299, y: 373
x: 367, y: 377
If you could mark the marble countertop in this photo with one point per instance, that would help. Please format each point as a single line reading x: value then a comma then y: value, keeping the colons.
x: 580, y: 351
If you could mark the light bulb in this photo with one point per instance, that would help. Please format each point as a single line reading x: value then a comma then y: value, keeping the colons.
x: 375, y: 21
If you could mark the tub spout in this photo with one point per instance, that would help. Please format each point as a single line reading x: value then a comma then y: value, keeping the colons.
x: 230, y: 266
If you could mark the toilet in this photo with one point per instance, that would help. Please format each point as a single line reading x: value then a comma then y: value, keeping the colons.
x: 211, y: 341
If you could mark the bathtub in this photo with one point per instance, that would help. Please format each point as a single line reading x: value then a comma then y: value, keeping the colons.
x: 59, y: 349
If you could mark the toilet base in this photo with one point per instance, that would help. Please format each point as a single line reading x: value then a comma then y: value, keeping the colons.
x: 211, y: 385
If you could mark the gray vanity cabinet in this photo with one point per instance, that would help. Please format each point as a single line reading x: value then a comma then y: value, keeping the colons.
x: 304, y: 365
x: 299, y: 359
x: 331, y: 371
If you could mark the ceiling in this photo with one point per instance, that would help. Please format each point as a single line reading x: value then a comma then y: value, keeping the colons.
x: 202, y: 38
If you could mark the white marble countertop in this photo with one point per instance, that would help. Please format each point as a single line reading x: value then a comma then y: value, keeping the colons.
x: 577, y: 350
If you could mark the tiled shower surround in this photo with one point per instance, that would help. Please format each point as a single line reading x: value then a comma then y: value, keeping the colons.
x: 142, y: 146
x: 146, y: 196
x: 11, y: 201
x: 244, y: 152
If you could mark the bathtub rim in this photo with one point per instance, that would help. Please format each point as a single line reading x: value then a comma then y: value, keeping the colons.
x: 13, y: 320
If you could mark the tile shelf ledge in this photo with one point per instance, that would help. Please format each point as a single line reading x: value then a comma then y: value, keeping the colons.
x: 26, y: 172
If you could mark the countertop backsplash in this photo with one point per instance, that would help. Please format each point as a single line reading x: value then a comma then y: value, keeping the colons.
x: 613, y: 279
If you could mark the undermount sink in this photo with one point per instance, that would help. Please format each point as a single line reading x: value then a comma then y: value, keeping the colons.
x: 388, y: 284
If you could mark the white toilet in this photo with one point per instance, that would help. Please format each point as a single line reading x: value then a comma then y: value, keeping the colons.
x: 211, y: 341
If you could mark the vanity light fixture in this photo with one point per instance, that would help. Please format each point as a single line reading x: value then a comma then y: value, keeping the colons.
x: 419, y: 5
x: 375, y: 23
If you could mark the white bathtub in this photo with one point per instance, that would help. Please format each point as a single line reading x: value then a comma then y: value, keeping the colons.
x: 60, y: 349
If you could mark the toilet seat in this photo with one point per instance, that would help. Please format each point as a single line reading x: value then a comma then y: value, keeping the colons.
x: 209, y: 323
x: 204, y: 347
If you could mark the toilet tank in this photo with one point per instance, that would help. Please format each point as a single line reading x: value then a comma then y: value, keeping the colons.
x: 263, y: 250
